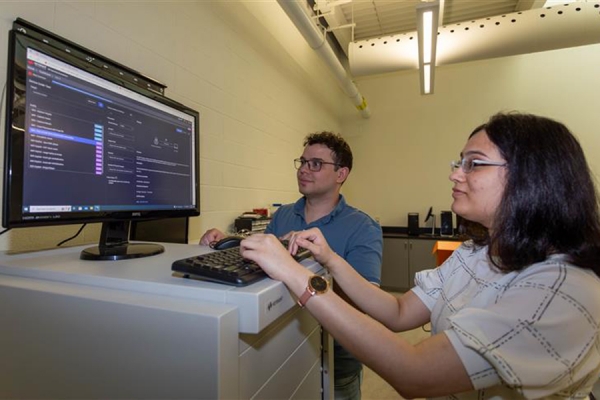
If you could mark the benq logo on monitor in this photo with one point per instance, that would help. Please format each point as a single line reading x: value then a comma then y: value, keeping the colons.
x: 136, y: 214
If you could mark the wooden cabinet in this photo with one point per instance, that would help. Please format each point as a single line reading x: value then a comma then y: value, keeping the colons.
x: 402, y: 259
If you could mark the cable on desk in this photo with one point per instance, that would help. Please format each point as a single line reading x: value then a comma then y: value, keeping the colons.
x: 72, y: 237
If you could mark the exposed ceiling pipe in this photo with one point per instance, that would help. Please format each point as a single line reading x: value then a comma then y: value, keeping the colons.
x: 316, y: 40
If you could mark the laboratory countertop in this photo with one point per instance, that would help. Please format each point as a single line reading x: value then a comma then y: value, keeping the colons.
x: 401, y: 232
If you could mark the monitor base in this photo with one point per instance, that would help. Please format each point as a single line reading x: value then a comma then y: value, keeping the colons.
x: 121, y: 252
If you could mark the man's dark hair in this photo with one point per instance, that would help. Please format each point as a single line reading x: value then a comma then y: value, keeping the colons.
x: 340, y: 150
x: 549, y: 205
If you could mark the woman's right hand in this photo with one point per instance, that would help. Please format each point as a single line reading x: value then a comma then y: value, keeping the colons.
x: 266, y: 250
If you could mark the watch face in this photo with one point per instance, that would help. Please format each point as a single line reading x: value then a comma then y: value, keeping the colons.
x: 318, y: 283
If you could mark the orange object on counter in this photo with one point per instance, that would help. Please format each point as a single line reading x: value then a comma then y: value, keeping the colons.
x: 443, y: 249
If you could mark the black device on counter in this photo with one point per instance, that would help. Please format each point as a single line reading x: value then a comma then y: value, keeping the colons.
x: 447, y: 225
x: 430, y: 216
x: 413, y: 224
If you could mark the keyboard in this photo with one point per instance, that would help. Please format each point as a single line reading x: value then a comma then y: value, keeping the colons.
x: 226, y: 266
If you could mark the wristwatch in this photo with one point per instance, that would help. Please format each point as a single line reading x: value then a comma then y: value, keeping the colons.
x: 316, y: 285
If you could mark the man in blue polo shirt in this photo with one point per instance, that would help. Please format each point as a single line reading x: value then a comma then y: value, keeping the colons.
x: 322, y: 170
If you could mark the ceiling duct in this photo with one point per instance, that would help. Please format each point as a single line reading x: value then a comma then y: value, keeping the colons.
x: 316, y: 40
x: 531, y: 31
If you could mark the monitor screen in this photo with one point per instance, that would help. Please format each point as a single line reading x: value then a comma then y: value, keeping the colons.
x: 82, y: 147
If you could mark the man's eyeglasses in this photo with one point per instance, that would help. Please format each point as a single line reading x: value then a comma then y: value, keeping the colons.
x: 314, y: 164
x: 468, y: 164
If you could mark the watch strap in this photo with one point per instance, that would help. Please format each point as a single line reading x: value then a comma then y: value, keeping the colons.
x: 308, y: 293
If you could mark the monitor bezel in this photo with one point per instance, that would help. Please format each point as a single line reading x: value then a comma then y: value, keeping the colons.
x: 12, y: 213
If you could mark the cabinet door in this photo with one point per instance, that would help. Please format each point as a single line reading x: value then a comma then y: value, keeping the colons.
x: 394, y: 265
x: 420, y: 257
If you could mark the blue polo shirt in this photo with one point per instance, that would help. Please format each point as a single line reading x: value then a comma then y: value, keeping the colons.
x: 350, y: 233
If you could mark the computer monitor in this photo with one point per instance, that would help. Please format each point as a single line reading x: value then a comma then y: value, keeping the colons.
x: 171, y: 230
x: 83, y: 146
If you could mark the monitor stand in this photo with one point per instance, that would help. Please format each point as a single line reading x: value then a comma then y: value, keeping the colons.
x: 114, y: 244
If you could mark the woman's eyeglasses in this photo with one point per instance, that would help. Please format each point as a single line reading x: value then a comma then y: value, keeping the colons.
x: 314, y: 165
x: 468, y: 164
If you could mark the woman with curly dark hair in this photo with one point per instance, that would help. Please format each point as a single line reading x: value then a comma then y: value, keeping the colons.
x: 515, y: 312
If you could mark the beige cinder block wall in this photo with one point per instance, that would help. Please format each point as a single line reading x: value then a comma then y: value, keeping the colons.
x: 403, y: 152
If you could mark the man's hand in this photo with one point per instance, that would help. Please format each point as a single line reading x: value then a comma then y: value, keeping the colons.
x: 210, y: 236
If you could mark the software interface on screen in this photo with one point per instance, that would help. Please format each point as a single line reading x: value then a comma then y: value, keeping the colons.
x: 91, y: 145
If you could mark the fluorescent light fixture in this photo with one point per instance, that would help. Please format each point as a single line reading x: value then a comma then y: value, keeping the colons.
x: 427, y: 25
x: 427, y: 79
x: 550, y: 3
